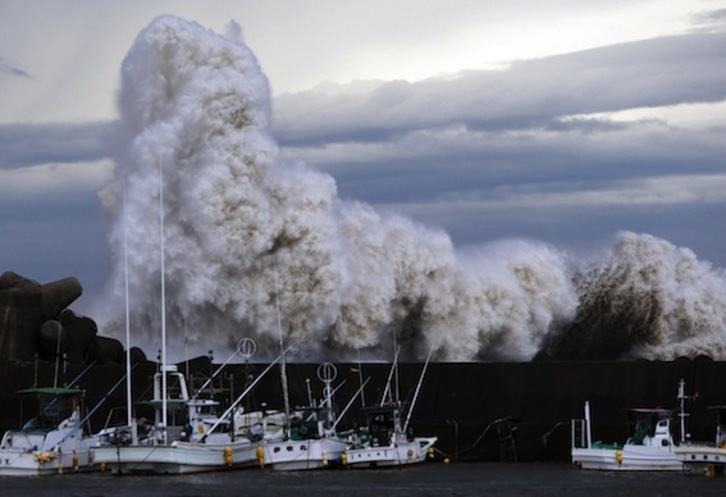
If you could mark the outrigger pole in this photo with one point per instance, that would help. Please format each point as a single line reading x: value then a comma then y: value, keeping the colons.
x: 95, y: 408
x: 418, y: 388
x: 247, y: 390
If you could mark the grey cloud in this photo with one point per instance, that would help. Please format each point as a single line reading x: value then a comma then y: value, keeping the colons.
x: 52, y: 236
x: 437, y: 165
x: 28, y: 144
x: 709, y: 21
x: 7, y: 67
x: 586, y: 229
x: 530, y: 94
x: 457, y: 154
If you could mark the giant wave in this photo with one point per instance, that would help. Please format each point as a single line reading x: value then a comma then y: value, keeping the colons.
x: 258, y: 245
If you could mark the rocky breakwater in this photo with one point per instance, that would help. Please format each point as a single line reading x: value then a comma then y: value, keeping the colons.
x: 37, y: 323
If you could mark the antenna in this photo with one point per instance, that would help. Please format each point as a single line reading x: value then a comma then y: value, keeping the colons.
x: 327, y: 372
x: 246, y: 347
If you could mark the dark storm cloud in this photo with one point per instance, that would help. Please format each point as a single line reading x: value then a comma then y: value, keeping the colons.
x: 529, y: 95
x: 438, y: 165
x: 29, y: 144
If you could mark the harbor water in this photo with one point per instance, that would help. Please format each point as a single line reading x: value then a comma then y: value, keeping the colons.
x: 429, y: 479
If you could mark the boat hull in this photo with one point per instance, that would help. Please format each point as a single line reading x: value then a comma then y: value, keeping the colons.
x: 297, y: 455
x: 178, y: 458
x: 402, y: 453
x: 35, y: 453
x: 629, y: 458
x: 17, y: 463
x: 707, y: 460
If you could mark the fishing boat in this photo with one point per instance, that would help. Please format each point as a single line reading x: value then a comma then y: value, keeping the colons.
x: 308, y: 446
x: 386, y: 440
x: 260, y: 424
x: 650, y: 445
x: 706, y: 458
x: 193, y: 439
x: 310, y: 440
x: 52, y: 442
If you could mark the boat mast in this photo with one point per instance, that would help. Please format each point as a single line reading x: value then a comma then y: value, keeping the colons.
x: 283, y: 361
x: 126, y: 295
x: 396, y: 384
x: 163, y: 307
x: 360, y: 381
x: 683, y: 414
x: 587, y: 425
x: 57, y: 358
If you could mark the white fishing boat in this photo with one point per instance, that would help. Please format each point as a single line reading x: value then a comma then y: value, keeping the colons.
x: 260, y: 424
x: 194, y: 440
x: 315, y: 450
x: 384, y: 443
x: 386, y: 440
x: 649, y: 447
x: 706, y: 458
x: 52, y: 442
x: 310, y: 440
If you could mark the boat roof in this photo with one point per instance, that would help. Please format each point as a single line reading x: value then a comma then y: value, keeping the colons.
x: 384, y: 408
x: 51, y: 391
x: 203, y: 402
x: 650, y: 410
x: 157, y: 403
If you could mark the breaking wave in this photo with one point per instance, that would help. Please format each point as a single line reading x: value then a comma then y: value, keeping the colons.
x: 256, y: 245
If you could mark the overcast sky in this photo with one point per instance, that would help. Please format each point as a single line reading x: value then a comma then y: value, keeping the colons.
x: 560, y: 121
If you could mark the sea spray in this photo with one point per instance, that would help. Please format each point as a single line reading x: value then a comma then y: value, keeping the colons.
x: 647, y: 299
x: 246, y: 229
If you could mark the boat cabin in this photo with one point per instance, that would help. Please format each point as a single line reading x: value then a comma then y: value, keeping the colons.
x: 384, y: 424
x: 54, y: 404
x: 650, y: 427
x: 57, y: 408
x: 720, y: 425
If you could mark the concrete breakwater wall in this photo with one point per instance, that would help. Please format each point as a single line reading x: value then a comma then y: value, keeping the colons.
x: 457, y: 401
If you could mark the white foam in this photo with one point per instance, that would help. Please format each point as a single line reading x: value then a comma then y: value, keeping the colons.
x: 244, y: 227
